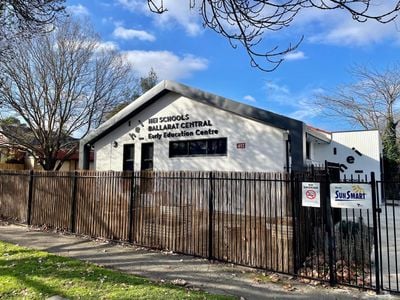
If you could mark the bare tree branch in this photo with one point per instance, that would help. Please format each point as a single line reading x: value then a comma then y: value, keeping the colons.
x: 246, y: 22
x: 60, y: 85
x: 370, y: 102
x: 25, y: 18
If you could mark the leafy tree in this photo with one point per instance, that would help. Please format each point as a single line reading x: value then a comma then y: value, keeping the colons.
x: 25, y: 18
x: 9, y: 121
x: 148, y: 82
x: 60, y: 85
x: 246, y: 22
x: 372, y: 102
x: 391, y: 151
x: 10, y: 154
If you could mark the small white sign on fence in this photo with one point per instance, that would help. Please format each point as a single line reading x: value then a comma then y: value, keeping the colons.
x: 351, y: 195
x: 311, y: 194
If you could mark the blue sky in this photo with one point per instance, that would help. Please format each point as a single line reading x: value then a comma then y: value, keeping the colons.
x: 177, y: 46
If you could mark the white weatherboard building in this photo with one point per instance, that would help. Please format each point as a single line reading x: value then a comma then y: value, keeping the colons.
x: 176, y: 127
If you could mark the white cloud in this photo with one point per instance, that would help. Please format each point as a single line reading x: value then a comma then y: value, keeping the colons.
x: 337, y: 27
x: 249, y: 98
x: 276, y: 89
x: 295, y: 55
x: 127, y: 34
x: 107, y: 46
x: 166, y: 64
x: 94, y: 45
x: 107, y: 20
x: 296, y: 105
x: 352, y: 33
x: 178, y: 12
x: 132, y: 5
x: 305, y: 111
x: 78, y: 10
x: 319, y: 26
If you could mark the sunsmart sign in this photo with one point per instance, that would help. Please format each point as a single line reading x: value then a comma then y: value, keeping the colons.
x: 311, y: 195
x: 351, y: 195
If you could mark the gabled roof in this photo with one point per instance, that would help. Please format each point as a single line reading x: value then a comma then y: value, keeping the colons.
x: 167, y: 86
x: 318, y: 135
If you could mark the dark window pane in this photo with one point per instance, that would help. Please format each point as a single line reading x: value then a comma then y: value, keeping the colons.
x: 147, y: 156
x: 128, y: 157
x: 216, y: 146
x: 198, y: 147
x: 178, y: 148
x: 147, y: 151
x: 308, y: 145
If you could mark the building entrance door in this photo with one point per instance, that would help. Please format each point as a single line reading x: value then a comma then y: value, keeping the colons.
x: 147, y: 157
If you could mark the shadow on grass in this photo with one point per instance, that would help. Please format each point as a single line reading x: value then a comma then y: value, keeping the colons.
x: 47, y: 275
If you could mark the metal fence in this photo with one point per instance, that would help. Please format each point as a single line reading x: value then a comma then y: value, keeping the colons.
x: 388, y: 229
x: 251, y: 219
x: 242, y: 218
x: 335, y: 245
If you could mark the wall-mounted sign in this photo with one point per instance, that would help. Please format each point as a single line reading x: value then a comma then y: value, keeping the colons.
x: 311, y: 194
x: 351, y: 195
x: 241, y: 146
x: 177, y: 126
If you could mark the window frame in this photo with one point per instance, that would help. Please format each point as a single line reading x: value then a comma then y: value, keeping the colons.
x: 187, y: 147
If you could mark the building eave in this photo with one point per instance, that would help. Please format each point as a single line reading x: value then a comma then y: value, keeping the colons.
x: 294, y: 127
x: 167, y: 86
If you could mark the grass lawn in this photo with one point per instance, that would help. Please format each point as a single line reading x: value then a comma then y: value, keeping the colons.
x: 32, y: 274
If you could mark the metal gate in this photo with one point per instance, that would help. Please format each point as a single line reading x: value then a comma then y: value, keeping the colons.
x: 388, y: 196
x: 346, y: 245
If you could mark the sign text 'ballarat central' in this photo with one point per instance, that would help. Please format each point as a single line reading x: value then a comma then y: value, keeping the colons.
x: 165, y: 127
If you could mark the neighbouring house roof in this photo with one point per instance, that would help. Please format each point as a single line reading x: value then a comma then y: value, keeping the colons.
x: 3, y: 139
x: 74, y: 156
x: 317, y: 135
x: 30, y: 138
x: 7, y: 132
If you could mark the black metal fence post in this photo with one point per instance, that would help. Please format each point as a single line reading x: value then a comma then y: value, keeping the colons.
x: 375, y: 211
x: 210, y: 216
x: 330, y: 230
x: 131, y: 205
x: 295, y: 193
x: 73, y: 204
x: 30, y: 198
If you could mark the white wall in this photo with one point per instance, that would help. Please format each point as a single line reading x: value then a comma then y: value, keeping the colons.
x: 265, y: 145
x: 367, y: 143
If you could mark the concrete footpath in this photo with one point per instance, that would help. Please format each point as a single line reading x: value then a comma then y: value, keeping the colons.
x: 165, y: 267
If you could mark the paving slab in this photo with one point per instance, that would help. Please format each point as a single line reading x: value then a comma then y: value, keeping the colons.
x: 166, y: 267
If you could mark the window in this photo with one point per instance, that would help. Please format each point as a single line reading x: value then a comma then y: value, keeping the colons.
x: 178, y: 149
x: 209, y: 147
x: 308, y: 150
x: 216, y: 146
x: 198, y: 147
x: 129, y: 157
